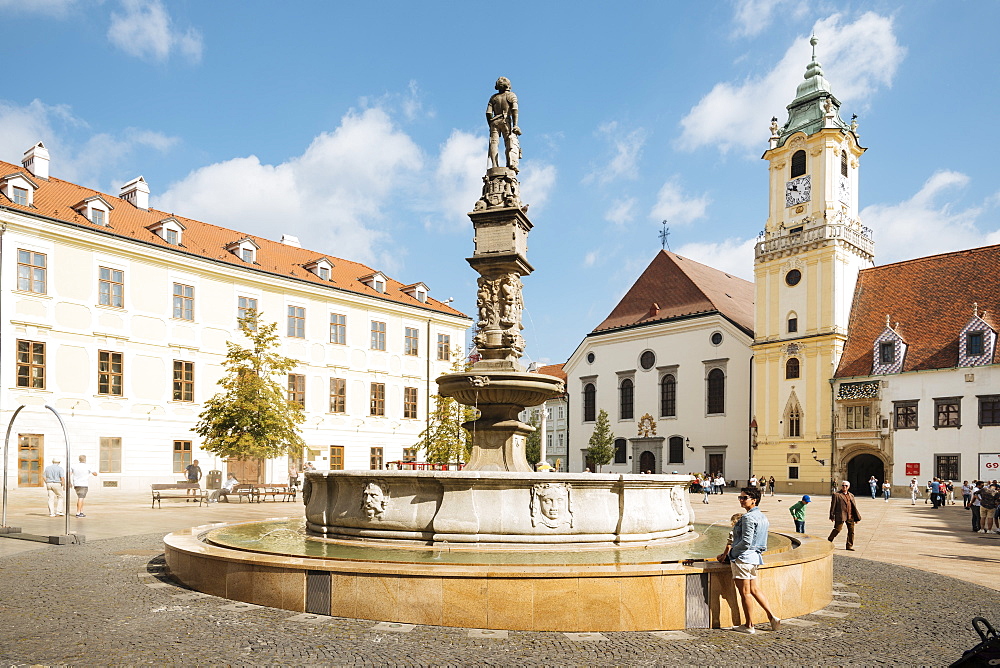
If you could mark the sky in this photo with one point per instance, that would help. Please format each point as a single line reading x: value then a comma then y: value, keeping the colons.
x: 360, y: 127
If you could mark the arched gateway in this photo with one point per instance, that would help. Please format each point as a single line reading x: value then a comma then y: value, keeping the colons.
x: 862, y: 467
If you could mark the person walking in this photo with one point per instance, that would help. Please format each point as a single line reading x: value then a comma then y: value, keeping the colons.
x: 966, y: 494
x: 886, y: 490
x: 988, y: 502
x: 914, y: 491
x: 55, y: 482
x: 770, y: 485
x: 193, y: 472
x: 873, y: 483
x: 844, y: 510
x: 749, y: 542
x: 798, y: 511
x: 975, y: 504
x: 79, y: 476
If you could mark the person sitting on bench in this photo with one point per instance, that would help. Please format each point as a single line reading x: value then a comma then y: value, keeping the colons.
x: 227, y: 487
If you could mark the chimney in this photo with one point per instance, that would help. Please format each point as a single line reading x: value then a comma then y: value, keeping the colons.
x: 36, y: 160
x: 136, y: 192
x: 654, y: 310
x: 289, y: 240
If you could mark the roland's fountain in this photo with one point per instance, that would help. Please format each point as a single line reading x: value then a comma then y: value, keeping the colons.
x: 496, y: 545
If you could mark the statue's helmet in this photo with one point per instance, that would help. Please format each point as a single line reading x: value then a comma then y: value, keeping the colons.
x: 503, y: 83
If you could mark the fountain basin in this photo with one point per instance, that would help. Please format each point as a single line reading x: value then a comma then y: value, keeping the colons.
x: 500, y: 507
x: 601, y: 596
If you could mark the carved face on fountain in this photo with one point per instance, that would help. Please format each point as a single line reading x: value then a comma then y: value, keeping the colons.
x: 373, y: 500
x: 550, y: 505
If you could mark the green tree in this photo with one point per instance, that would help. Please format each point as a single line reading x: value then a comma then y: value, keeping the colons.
x: 252, y: 417
x: 445, y: 440
x: 602, y: 441
x: 533, y: 444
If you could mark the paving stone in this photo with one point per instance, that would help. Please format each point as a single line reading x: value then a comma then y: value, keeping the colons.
x: 845, y: 604
x: 847, y: 594
x: 158, y: 585
x: 585, y: 636
x: 829, y: 613
x: 672, y: 635
x: 191, y: 596
x: 309, y: 618
x: 839, y: 585
x: 795, y: 621
x: 395, y: 627
x: 487, y: 633
x: 241, y: 607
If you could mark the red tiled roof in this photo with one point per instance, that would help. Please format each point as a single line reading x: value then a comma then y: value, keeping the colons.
x: 931, y: 298
x: 680, y: 288
x: 55, y: 199
x: 554, y: 370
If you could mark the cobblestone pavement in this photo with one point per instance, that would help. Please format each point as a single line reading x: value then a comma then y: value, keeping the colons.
x: 107, y: 602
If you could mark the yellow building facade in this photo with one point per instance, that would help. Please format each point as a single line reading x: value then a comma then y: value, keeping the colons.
x: 806, y: 266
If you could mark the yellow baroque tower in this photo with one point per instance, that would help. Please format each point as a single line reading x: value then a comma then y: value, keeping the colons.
x: 806, y: 265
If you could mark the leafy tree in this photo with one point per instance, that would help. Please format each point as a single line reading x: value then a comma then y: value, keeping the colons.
x: 446, y: 441
x: 252, y: 417
x: 533, y: 445
x: 602, y: 441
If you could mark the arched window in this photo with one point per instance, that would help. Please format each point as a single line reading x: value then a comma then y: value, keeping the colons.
x: 668, y: 396
x: 793, y: 323
x: 792, y: 368
x: 621, y: 451
x: 794, y: 421
x: 798, y: 163
x: 589, y: 402
x: 627, y: 396
x: 716, y: 392
x: 676, y: 450
x: 843, y: 163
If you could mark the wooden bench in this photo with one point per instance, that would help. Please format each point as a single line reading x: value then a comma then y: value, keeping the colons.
x: 177, y: 490
x: 274, y: 490
x: 240, y: 491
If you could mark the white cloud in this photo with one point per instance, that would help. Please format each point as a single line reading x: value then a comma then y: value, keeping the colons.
x: 753, y: 16
x: 675, y: 207
x: 458, y: 178
x: 145, y: 30
x: 733, y: 256
x: 590, y: 259
x: 857, y: 58
x: 626, y: 149
x: 537, y: 181
x: 53, y: 8
x: 332, y: 196
x: 622, y: 211
x: 929, y: 222
x: 77, y: 156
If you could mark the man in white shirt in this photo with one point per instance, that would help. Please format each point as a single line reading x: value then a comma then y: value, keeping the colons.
x: 79, y: 473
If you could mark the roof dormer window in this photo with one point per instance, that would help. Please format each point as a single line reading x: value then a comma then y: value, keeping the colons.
x: 322, y: 268
x: 418, y: 291
x: 95, y: 209
x: 168, y: 229
x: 888, y: 351
x: 976, y: 341
x: 376, y: 281
x: 18, y: 188
x: 245, y: 249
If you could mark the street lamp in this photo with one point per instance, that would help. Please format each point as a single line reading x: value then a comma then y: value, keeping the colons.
x: 687, y: 442
x: 822, y: 462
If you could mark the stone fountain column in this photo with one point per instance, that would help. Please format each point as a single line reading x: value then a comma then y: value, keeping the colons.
x: 497, y: 385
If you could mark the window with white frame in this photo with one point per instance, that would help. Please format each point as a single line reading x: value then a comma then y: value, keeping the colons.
x: 111, y: 287
x: 296, y: 322
x: 32, y: 272
x: 183, y: 302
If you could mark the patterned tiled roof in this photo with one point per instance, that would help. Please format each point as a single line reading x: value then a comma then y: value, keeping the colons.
x: 554, y: 370
x: 681, y: 288
x: 54, y: 199
x: 932, y: 299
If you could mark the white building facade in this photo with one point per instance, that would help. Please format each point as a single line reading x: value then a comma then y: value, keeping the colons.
x: 671, y: 366
x: 118, y: 315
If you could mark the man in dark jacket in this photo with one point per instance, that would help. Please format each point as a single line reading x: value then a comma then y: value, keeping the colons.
x: 843, y: 510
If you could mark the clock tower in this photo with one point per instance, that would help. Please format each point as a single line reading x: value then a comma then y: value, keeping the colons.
x: 806, y: 264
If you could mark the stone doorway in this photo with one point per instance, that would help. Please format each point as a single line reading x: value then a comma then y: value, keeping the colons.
x: 246, y: 470
x: 716, y: 463
x: 859, y: 469
x: 647, y: 462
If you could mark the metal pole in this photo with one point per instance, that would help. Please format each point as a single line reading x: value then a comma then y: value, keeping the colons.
x: 6, y: 460
x: 66, y: 479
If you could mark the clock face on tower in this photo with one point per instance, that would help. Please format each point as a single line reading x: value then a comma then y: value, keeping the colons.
x: 798, y: 191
